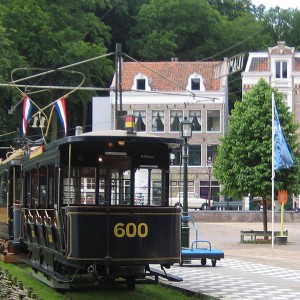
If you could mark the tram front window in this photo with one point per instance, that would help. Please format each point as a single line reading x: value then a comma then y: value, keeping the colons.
x: 114, y: 182
x: 79, y: 185
x: 148, y: 187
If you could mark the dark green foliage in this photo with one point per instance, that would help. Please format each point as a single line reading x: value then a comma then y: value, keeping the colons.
x: 51, y: 34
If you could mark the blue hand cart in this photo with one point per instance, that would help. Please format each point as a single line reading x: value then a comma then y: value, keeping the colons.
x: 200, y: 249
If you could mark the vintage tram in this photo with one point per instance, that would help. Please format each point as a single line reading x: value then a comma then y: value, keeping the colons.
x: 96, y: 203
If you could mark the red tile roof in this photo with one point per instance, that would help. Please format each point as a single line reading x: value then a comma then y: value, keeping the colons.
x: 259, y: 64
x: 297, y: 64
x: 171, y: 75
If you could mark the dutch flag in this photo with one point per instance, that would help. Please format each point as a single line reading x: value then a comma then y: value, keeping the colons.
x: 60, y: 106
x: 27, y: 108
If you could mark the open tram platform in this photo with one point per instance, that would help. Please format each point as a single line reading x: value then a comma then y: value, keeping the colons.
x: 248, y: 271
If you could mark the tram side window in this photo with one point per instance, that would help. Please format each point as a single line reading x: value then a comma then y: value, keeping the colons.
x: 51, y: 175
x: 34, y: 188
x: 80, y: 187
x: 43, y: 187
x: 3, y: 187
x: 18, y: 191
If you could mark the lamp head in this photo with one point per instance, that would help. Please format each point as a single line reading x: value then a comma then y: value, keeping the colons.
x: 186, y: 128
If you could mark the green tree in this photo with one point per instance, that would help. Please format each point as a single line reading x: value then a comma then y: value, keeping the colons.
x: 9, y: 59
x: 51, y: 34
x: 121, y: 18
x: 243, y: 164
x: 278, y: 23
x: 176, y: 28
x: 232, y: 8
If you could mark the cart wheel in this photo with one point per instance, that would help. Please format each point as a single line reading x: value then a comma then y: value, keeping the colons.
x: 214, y: 262
x: 203, y: 261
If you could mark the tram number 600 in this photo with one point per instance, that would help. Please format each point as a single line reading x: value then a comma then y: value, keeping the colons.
x: 131, y: 230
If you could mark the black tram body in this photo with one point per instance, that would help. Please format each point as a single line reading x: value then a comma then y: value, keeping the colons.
x: 96, y: 203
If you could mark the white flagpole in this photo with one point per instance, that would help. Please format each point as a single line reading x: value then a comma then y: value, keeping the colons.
x: 273, y: 172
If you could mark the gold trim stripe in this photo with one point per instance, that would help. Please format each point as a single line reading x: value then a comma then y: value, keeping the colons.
x: 121, y: 214
x: 127, y: 259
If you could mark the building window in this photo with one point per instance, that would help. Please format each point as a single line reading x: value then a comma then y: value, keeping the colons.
x: 213, y: 120
x: 141, y: 84
x: 195, y: 84
x: 158, y: 120
x: 285, y: 99
x: 194, y: 155
x: 195, y: 118
x: 140, y: 120
x: 281, y: 69
x: 175, y: 119
x: 215, y: 190
x: 177, y: 157
x: 212, y: 151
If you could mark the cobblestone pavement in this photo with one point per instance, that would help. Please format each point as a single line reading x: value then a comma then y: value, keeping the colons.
x: 248, y: 271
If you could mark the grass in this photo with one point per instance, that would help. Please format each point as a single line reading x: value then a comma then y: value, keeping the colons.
x: 142, y: 291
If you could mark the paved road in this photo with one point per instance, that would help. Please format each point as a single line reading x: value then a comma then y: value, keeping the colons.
x: 248, y: 271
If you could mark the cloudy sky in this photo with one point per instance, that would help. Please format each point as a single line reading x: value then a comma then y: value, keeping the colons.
x: 284, y: 4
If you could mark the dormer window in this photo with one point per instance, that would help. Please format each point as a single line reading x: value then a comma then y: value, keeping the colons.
x: 281, y: 69
x: 141, y: 82
x: 195, y: 83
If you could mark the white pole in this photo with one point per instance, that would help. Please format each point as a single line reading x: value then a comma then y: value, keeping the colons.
x: 273, y: 172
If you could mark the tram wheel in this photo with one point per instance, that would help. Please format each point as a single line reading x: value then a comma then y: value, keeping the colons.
x: 203, y: 261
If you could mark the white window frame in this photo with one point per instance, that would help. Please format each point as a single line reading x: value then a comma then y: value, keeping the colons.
x: 220, y: 124
x: 141, y: 76
x: 195, y: 76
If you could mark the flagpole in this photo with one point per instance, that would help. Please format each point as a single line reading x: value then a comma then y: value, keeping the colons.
x: 273, y: 171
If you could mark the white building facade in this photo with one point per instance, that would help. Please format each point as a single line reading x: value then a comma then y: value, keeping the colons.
x: 280, y: 67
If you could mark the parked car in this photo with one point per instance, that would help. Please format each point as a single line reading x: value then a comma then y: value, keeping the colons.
x: 194, y: 201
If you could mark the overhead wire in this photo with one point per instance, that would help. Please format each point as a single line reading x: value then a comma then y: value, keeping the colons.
x: 192, y: 93
x: 235, y: 45
x: 69, y: 49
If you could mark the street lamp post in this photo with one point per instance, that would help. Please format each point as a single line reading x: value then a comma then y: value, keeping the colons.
x: 209, y: 167
x: 185, y: 134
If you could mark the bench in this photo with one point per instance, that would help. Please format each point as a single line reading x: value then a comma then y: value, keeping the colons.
x: 228, y: 205
x: 254, y: 234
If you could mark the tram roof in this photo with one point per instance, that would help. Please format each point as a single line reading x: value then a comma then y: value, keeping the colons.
x: 116, y: 135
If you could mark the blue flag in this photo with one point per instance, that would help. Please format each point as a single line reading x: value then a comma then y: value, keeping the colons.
x: 283, y: 157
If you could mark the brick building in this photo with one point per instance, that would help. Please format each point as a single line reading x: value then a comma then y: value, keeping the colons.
x: 160, y: 95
